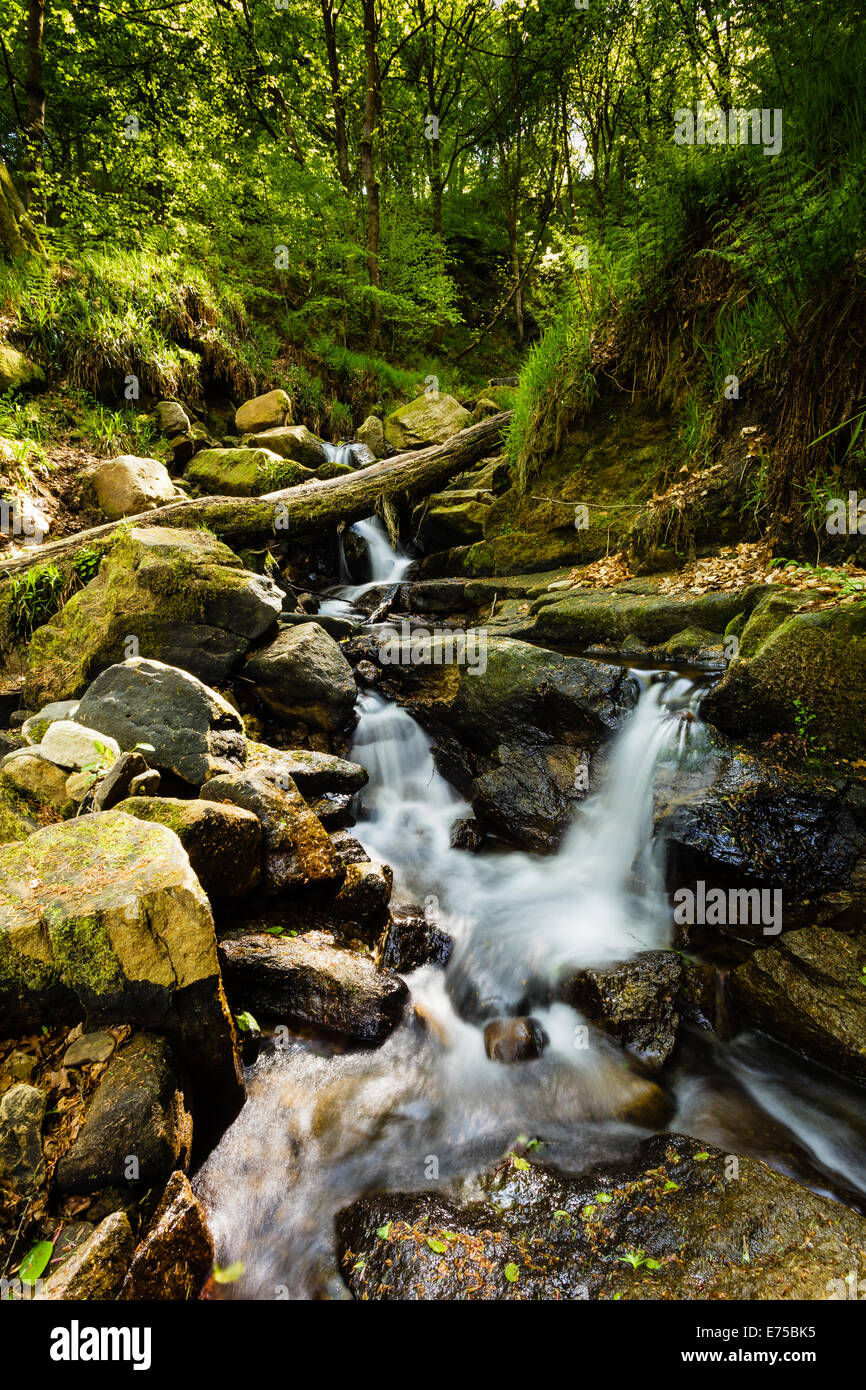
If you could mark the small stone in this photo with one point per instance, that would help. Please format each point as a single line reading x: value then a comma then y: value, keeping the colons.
x: 22, y: 1110
x: 410, y: 941
x: 176, y: 1255
x: 514, y: 1040
x: 90, y: 1047
x: 468, y: 835
x: 115, y: 785
x: 266, y: 412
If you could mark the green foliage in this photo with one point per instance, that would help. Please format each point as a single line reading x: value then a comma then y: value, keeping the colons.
x: 35, y: 596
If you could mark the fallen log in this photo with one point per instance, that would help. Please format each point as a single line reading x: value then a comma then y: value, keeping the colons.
x: 304, y: 509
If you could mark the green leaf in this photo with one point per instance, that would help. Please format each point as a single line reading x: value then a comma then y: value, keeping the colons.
x: 247, y: 1023
x: 672, y: 1186
x: 383, y: 1232
x: 520, y: 1163
x: 701, y: 1158
x: 35, y: 1261
x: 230, y: 1274
x: 512, y: 1273
x: 440, y: 1247
x: 604, y: 1198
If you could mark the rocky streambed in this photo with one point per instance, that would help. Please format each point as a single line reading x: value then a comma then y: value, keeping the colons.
x: 324, y: 974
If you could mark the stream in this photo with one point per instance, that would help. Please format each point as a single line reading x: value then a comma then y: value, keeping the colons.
x: 322, y: 1125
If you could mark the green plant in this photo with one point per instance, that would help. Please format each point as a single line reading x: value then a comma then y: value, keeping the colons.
x: 35, y: 597
x: 637, y: 1258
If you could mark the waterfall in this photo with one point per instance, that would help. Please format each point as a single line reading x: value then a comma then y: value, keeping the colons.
x: 387, y: 566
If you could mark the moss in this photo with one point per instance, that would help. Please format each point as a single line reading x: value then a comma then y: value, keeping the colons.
x: 83, y: 953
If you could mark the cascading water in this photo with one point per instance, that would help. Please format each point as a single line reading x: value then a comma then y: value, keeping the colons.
x: 321, y: 1126
x: 386, y: 567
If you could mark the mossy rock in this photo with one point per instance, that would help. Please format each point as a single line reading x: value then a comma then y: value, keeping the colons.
x: 796, y: 665
x: 244, y: 472
x: 102, y: 918
x: 181, y: 595
x: 588, y: 617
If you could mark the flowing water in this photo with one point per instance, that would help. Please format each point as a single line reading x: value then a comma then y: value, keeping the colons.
x: 387, y: 568
x: 322, y: 1125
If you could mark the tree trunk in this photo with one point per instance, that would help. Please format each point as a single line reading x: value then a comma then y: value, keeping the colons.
x: 34, y: 132
x: 341, y: 139
x: 306, y: 509
x: 18, y: 236
x: 368, y: 168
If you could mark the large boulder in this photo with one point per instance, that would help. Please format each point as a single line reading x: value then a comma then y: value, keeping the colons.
x: 740, y: 814
x: 634, y: 612
x: 136, y: 1128
x: 127, y: 485
x: 314, y: 773
x: 192, y: 731
x: 427, y: 420
x: 244, y: 472
x: 514, y: 727
x: 807, y: 989
x: 297, y: 849
x: 176, y: 1255
x: 312, y: 979
x: 293, y: 442
x: 266, y: 412
x: 304, y: 675
x: 224, y: 842
x: 181, y: 595
x: 633, y: 1001
x: 102, y: 919
x: 678, y: 1221
x: 800, y: 672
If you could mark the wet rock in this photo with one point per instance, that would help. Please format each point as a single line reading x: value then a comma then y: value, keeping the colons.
x: 349, y: 850
x: 367, y: 673
x: 513, y: 1039
x: 468, y: 835
x: 304, y: 675
x: 425, y: 421
x: 127, y: 486
x: 450, y: 519
x: 314, y: 774
x: 791, y: 665
x: 71, y: 745
x: 334, y: 811
x: 102, y: 917
x: 745, y: 816
x: 115, y: 785
x: 410, y: 941
x: 266, y: 412
x: 192, y: 731
x: 634, y: 1002
x: 362, y: 902
x: 296, y: 846
x: 372, y: 433
x: 88, y: 1048
x: 22, y: 1109
x: 313, y: 979
x: 136, y: 1128
x: 224, y: 842
x: 696, y: 1232
x: 97, y: 1267
x: 175, y: 1257
x: 181, y: 594
x: 807, y: 989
